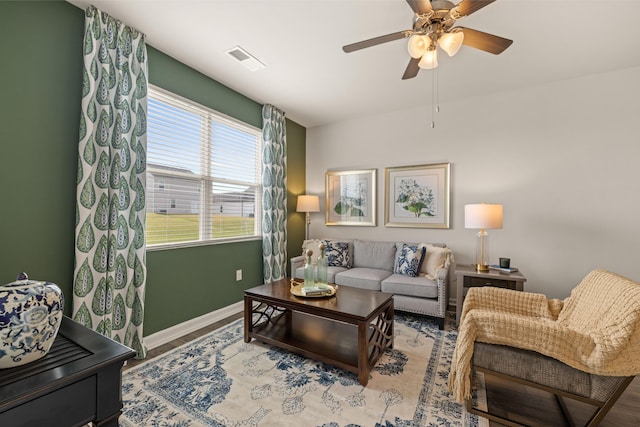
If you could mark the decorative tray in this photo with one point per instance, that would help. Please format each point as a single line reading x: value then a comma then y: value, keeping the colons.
x: 296, y: 289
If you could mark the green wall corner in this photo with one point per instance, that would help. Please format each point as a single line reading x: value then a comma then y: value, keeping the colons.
x: 41, y: 80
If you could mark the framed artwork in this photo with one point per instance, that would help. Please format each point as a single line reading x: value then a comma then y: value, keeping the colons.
x: 417, y: 196
x: 350, y: 197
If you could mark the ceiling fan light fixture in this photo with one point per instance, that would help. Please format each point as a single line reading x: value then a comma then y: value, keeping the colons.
x: 417, y: 45
x: 451, y: 42
x: 433, y: 26
x: 429, y: 60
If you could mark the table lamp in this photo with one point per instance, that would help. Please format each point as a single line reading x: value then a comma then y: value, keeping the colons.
x: 308, y: 204
x: 482, y: 216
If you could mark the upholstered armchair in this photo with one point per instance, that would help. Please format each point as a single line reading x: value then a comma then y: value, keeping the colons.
x: 585, y: 347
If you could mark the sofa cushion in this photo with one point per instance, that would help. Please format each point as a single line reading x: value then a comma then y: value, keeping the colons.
x: 337, y: 254
x: 435, y: 259
x: 409, y: 259
x: 421, y: 286
x: 364, y: 278
x: 370, y: 254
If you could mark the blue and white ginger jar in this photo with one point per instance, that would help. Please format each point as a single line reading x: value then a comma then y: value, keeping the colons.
x: 30, y: 316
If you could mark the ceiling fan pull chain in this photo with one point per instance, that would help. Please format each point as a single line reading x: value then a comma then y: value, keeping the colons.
x: 437, y: 90
x: 433, y: 98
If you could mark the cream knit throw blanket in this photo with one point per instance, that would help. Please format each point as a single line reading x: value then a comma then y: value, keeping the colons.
x: 596, y: 329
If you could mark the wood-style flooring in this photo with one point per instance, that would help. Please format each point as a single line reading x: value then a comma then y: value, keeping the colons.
x: 538, y: 408
x: 183, y: 340
x: 505, y: 399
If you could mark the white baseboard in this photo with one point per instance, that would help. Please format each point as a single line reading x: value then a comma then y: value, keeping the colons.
x: 166, y: 335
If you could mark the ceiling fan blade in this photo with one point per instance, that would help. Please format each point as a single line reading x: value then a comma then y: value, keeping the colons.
x: 420, y: 6
x: 374, y: 41
x: 412, y: 69
x: 467, y: 7
x: 484, y: 41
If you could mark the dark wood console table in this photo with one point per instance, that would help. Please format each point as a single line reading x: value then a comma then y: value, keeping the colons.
x: 77, y: 382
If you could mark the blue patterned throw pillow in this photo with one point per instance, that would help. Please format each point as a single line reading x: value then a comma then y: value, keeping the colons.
x: 409, y: 260
x: 337, y: 254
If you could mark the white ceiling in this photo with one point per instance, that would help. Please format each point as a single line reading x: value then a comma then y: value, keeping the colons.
x: 310, y: 78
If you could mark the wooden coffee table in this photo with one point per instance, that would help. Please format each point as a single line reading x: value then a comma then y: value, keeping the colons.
x: 350, y: 330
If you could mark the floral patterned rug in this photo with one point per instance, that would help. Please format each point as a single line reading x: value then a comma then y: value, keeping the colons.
x: 219, y: 380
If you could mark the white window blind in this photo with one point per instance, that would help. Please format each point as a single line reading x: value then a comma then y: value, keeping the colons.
x: 204, y: 174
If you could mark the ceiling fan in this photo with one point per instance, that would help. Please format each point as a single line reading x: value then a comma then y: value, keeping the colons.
x: 433, y: 25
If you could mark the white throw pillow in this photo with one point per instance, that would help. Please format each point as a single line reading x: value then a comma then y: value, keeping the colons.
x: 434, y: 259
x: 314, y: 245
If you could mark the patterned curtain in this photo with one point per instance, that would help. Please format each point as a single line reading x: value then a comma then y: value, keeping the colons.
x: 274, y: 200
x: 110, y: 270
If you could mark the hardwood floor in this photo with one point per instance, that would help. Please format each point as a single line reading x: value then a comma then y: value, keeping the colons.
x: 504, y: 398
x: 183, y: 340
x: 535, y: 407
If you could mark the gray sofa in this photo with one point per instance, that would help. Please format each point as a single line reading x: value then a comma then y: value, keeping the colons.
x: 371, y: 266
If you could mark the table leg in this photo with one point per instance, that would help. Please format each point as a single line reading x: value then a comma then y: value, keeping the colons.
x: 363, y: 353
x: 108, y: 396
x: 288, y: 316
x: 374, y: 336
x: 389, y: 315
x: 248, y: 318
x: 110, y: 422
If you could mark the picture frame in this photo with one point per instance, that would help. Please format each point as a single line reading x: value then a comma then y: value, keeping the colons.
x: 417, y: 196
x: 350, y: 197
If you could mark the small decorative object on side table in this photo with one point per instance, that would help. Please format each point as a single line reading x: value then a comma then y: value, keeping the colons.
x: 30, y: 316
x: 467, y: 277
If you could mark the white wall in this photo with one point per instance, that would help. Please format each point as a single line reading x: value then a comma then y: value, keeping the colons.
x: 562, y: 158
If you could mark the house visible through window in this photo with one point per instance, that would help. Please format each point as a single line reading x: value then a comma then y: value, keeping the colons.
x: 204, y: 173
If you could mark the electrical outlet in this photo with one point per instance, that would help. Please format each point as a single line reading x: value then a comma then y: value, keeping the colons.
x: 238, y: 275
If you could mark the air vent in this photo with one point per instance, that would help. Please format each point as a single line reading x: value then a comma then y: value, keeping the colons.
x: 245, y: 58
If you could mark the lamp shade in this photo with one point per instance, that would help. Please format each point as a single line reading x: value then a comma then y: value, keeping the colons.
x: 482, y: 216
x: 308, y: 203
x: 417, y: 45
x: 429, y: 60
x: 451, y: 42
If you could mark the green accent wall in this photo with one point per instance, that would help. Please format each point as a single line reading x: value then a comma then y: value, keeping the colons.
x: 39, y: 114
x: 174, y: 76
x: 296, y: 185
x: 40, y: 93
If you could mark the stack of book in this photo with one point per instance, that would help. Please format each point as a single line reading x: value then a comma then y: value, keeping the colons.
x: 503, y: 269
x: 316, y: 290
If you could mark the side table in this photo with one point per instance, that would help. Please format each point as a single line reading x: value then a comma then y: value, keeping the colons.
x: 468, y: 277
x: 77, y: 382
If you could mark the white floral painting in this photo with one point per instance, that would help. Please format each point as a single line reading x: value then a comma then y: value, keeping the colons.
x: 351, y: 197
x: 417, y: 196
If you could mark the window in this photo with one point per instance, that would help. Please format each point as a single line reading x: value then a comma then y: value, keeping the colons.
x: 204, y: 174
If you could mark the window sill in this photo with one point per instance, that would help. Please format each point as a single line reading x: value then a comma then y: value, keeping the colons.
x: 179, y: 245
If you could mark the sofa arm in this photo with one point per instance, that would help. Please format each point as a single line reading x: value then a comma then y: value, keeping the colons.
x: 296, y: 262
x: 442, y: 274
x: 442, y: 278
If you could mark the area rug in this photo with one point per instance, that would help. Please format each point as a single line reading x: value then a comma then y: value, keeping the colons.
x: 219, y: 380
